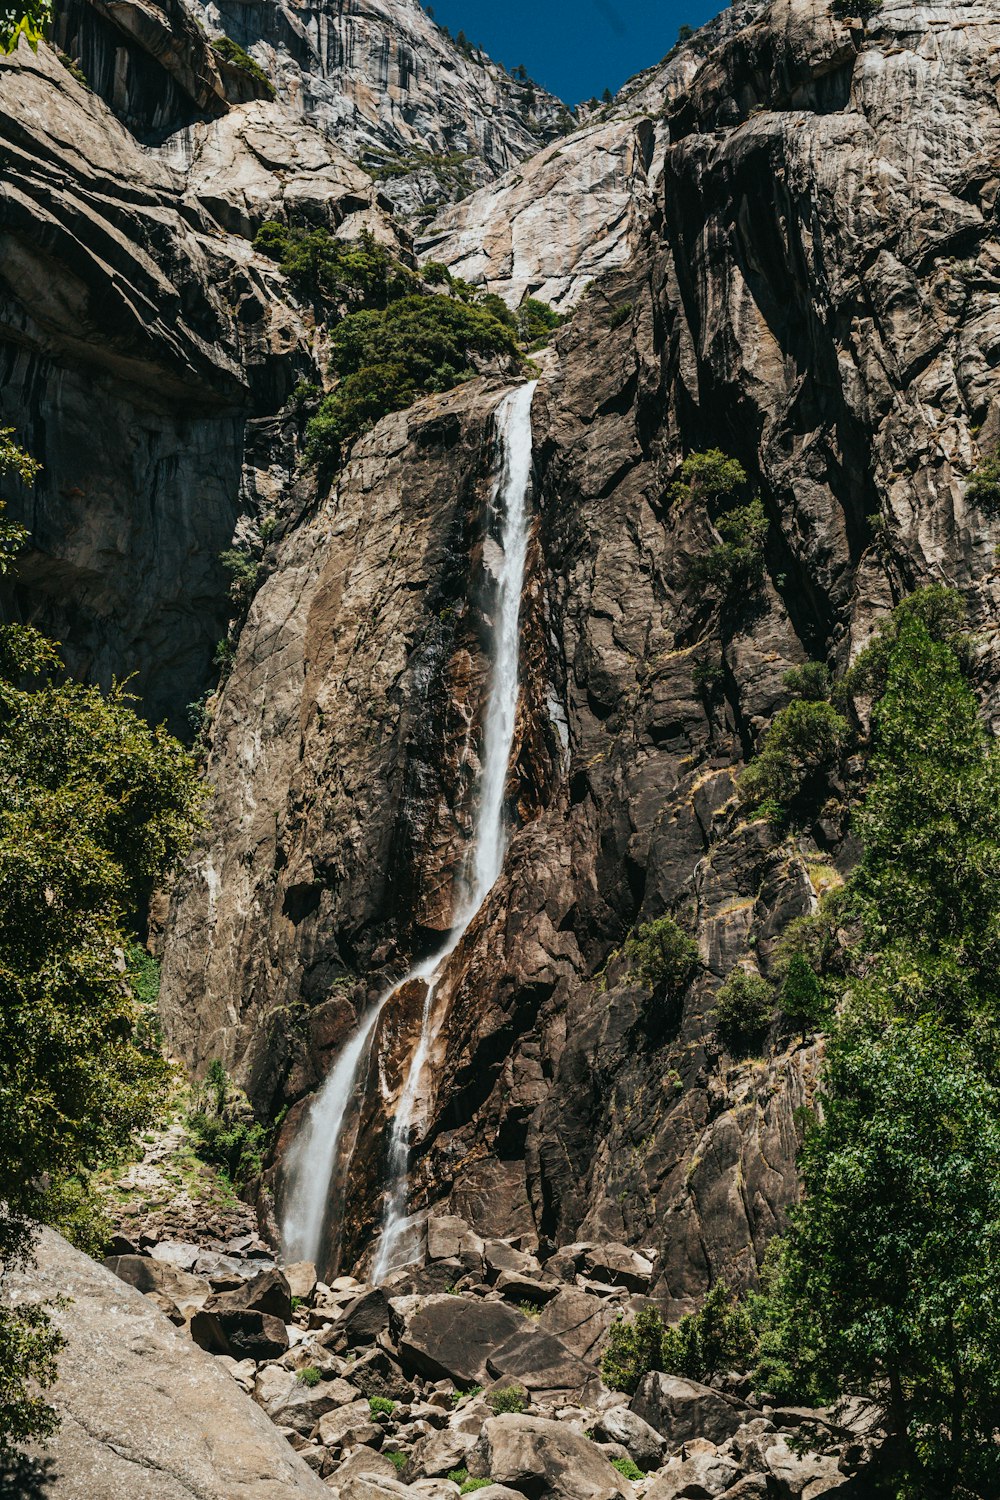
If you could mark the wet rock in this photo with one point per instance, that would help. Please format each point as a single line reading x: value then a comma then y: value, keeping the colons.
x: 542, y: 1457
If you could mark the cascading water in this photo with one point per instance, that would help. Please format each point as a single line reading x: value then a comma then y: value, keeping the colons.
x: 315, y: 1155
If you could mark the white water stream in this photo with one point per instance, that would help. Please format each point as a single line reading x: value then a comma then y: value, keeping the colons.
x: 315, y: 1155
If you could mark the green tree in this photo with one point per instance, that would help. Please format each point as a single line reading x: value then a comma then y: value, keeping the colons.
x: 95, y: 808
x: 708, y: 477
x: 744, y: 1005
x: 803, y: 744
x: 663, y: 956
x: 718, y: 1337
x: 737, y: 562
x: 889, y: 1278
x: 804, y: 999
x: 634, y: 1347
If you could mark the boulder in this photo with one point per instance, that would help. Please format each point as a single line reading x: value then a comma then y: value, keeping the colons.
x: 167, y: 1307
x: 682, y: 1409
x: 699, y: 1478
x: 363, y: 1320
x: 514, y: 1286
x: 243, y: 1335
x: 499, y: 1256
x: 541, y: 1363
x: 144, y: 1413
x: 498, y: 1492
x: 441, y: 1452
x: 643, y: 1443
x: 360, y: 1461
x: 436, y: 1489
x: 343, y: 1426
x: 450, y: 1238
x: 177, y: 1253
x: 301, y: 1278
x: 148, y: 1275
x: 450, y: 1337
x: 579, y: 1319
x: 268, y: 1292
x: 810, y: 1473
x: 617, y: 1265
x: 544, y: 1458
x: 304, y: 1405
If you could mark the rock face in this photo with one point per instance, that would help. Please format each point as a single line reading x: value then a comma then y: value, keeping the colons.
x: 143, y: 1412
x: 550, y: 227
x: 394, y: 92
x: 146, y: 353
x: 814, y: 290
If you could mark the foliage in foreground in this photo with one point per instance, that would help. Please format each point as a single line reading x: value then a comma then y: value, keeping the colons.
x: 27, y: 18
x: 95, y: 808
x: 888, y: 1280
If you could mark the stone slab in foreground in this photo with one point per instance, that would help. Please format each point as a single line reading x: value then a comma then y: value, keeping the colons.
x: 145, y: 1413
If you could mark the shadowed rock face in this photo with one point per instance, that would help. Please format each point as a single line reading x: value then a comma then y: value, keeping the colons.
x: 145, y: 356
x: 815, y: 291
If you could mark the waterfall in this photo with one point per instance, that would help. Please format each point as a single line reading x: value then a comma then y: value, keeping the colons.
x: 315, y: 1155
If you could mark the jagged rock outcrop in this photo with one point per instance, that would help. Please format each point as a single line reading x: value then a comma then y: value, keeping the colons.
x: 573, y: 212
x: 815, y: 292
x: 143, y: 1412
x: 394, y: 92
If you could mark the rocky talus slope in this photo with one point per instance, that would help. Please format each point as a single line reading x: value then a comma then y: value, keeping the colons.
x: 201, y: 1369
x: 393, y: 91
x: 815, y: 292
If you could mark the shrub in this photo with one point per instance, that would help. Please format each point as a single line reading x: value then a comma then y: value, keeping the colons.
x: 708, y: 477
x: 536, y: 321
x: 398, y: 1461
x: 244, y: 574
x: 310, y: 1376
x: 804, y: 999
x: 238, y: 57
x: 381, y: 1406
x: 621, y: 314
x: 335, y: 273
x: 458, y: 1476
x: 717, y: 1338
x: 225, y: 1132
x: 707, y: 676
x: 864, y: 10
x: 385, y: 360
x: 803, y: 744
x: 743, y: 1007
x: 627, y: 1468
x: 634, y: 1347
x: 142, y: 971
x: 663, y: 956
x: 941, y: 612
x: 475, y: 1484
x: 737, y: 562
x: 811, y: 680
x: 508, y: 1398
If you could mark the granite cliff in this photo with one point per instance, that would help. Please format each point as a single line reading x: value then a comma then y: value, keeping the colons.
x: 789, y: 253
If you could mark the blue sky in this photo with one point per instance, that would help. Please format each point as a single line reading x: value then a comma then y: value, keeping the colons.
x: 576, y: 48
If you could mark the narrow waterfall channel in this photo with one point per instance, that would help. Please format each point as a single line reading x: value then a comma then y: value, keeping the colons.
x: 315, y: 1156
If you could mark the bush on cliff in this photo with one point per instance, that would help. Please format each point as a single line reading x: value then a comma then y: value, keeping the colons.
x: 385, y: 360
x: 737, y: 562
x: 226, y: 1132
x: 804, y: 743
x: 333, y: 273
x: 663, y: 956
x: 743, y: 1008
x: 95, y: 809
